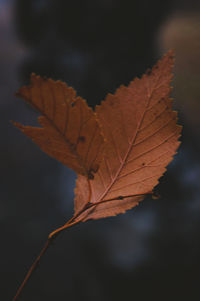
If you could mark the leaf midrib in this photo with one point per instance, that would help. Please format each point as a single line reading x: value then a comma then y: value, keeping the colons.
x: 128, y: 151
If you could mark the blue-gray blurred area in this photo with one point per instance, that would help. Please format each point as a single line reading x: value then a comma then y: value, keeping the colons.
x: 153, y: 251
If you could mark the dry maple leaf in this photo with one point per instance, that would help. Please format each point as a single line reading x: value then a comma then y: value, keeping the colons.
x: 70, y: 132
x: 141, y: 138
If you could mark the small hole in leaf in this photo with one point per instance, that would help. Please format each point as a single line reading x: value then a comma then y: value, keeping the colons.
x: 81, y: 139
x: 90, y: 176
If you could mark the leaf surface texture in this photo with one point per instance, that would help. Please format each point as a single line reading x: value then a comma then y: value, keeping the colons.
x: 69, y: 130
x: 141, y: 135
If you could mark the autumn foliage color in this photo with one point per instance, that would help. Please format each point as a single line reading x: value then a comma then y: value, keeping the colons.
x: 119, y: 151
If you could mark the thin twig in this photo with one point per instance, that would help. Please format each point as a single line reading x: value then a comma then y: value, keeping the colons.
x: 43, y: 251
x: 73, y: 221
x: 32, y: 268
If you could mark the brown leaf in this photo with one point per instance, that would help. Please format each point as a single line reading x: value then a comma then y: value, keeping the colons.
x: 141, y: 138
x: 70, y: 132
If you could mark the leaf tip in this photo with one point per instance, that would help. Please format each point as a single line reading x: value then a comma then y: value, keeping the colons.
x: 18, y: 93
x: 17, y: 125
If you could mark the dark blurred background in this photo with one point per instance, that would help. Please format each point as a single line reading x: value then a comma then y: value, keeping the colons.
x: 153, y: 251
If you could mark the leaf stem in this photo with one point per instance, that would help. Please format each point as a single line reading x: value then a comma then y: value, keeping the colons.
x: 87, y: 206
